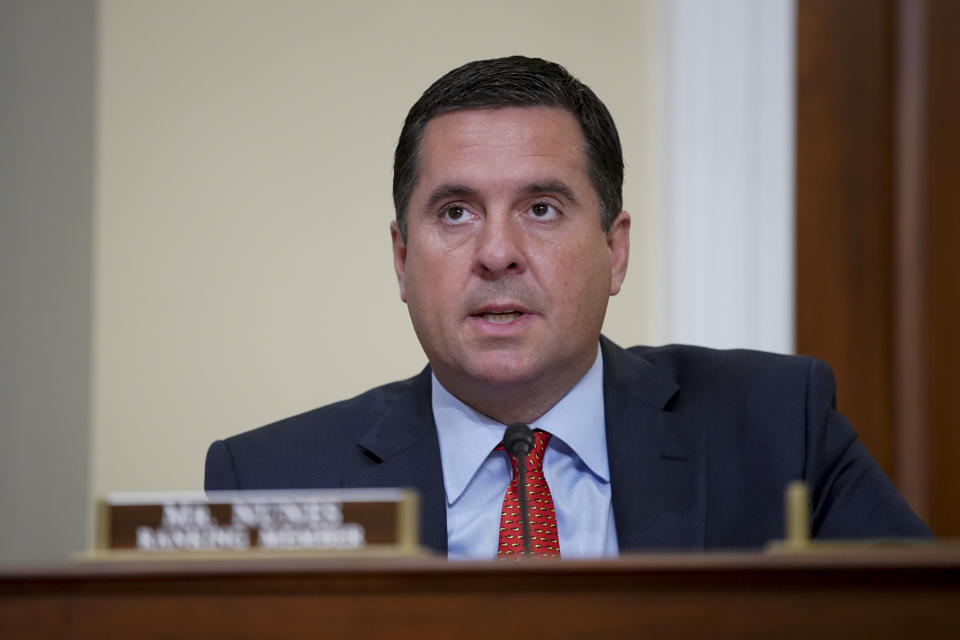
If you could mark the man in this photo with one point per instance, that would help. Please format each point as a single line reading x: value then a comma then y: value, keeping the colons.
x: 508, y: 240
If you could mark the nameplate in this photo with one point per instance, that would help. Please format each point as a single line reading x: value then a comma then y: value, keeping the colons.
x: 349, y: 520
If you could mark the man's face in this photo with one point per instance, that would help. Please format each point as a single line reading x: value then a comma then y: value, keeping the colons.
x: 506, y: 270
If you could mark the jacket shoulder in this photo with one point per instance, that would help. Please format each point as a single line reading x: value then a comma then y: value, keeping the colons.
x: 762, y: 379
x: 339, y: 419
x: 310, y: 449
x: 685, y: 360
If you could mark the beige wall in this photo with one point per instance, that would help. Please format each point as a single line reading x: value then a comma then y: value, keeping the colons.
x: 242, y: 265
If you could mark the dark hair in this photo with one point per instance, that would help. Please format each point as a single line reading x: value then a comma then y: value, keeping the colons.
x: 516, y: 81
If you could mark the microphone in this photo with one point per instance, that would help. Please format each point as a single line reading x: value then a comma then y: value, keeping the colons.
x: 518, y: 441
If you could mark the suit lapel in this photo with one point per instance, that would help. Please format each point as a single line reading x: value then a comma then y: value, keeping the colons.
x: 656, y: 457
x: 404, y: 445
x: 657, y: 462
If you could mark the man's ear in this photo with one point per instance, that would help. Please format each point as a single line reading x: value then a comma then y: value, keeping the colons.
x: 618, y: 242
x: 399, y: 257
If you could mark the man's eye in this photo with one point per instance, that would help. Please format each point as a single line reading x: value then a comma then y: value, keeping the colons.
x: 544, y: 211
x: 455, y: 214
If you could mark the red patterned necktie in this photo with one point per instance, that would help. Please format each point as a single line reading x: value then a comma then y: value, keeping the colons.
x: 543, y: 521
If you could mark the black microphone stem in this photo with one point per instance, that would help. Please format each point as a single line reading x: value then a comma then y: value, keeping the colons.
x: 518, y: 440
x: 524, y: 509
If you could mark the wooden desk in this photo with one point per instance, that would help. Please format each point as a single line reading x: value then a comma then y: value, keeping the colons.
x: 904, y: 593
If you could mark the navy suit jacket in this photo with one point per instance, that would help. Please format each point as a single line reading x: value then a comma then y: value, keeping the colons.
x: 701, y: 445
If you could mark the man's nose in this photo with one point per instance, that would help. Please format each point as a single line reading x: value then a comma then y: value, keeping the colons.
x: 500, y: 247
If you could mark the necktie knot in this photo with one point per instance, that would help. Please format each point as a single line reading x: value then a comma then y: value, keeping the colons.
x: 534, y: 459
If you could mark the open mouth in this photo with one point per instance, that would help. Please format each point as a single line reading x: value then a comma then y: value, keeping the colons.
x: 501, y: 317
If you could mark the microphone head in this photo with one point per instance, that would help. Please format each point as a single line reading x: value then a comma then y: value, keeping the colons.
x: 518, y: 440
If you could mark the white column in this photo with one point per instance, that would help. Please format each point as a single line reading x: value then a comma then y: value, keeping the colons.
x: 728, y: 189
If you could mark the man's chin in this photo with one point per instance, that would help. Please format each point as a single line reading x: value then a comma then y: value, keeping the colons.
x: 502, y: 371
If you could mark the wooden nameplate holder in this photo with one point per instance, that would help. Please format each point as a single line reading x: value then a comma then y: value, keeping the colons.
x: 257, y: 523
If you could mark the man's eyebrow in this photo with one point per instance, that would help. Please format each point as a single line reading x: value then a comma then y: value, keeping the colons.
x: 456, y: 191
x: 448, y: 191
x: 557, y: 187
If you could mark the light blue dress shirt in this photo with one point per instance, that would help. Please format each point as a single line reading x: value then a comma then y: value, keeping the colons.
x: 575, y: 466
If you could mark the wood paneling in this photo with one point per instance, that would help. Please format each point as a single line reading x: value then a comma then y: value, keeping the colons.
x: 845, y: 127
x: 941, y: 243
x: 878, y: 230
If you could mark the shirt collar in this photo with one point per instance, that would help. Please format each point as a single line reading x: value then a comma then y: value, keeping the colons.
x: 467, y: 437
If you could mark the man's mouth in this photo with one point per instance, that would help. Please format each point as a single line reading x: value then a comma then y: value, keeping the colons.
x: 501, y: 317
